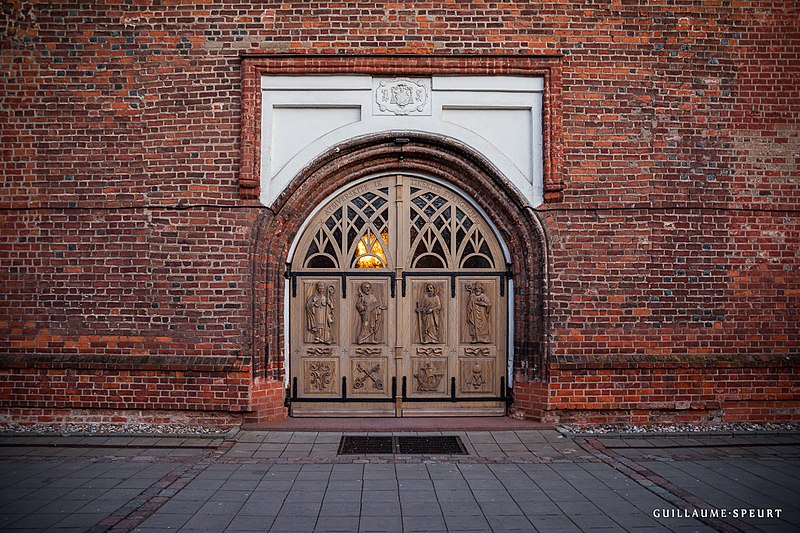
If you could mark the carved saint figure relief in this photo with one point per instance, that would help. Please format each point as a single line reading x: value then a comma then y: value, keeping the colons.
x: 370, y: 311
x: 319, y: 314
x: 478, y: 314
x: 429, y: 316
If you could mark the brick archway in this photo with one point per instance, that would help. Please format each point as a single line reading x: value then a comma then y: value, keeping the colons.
x: 414, y: 152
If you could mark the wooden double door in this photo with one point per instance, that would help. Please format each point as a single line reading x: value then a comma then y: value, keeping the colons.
x: 398, y: 305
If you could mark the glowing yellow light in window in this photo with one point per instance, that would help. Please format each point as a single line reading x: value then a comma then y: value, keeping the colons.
x: 369, y: 252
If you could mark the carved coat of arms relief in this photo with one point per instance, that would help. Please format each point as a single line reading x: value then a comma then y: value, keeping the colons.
x: 401, y: 96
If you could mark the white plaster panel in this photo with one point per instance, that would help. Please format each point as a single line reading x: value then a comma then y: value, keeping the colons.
x: 506, y: 127
x: 498, y: 117
x: 298, y: 127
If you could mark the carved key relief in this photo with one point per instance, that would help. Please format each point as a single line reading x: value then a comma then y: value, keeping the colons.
x: 370, y: 313
x: 321, y: 310
x: 429, y: 310
x: 369, y: 376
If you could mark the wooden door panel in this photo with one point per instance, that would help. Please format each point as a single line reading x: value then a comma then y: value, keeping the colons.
x: 317, y: 329
x: 433, y: 316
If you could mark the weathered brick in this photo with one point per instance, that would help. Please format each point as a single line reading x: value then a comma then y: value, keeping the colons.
x: 660, y: 276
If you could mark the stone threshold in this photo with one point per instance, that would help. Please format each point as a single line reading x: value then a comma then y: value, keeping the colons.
x: 393, y: 425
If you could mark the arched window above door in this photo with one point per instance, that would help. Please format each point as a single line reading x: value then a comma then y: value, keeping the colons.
x: 355, y: 234
x: 443, y: 235
x: 435, y: 227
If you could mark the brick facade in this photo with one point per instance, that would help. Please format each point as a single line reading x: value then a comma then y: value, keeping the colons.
x: 140, y: 277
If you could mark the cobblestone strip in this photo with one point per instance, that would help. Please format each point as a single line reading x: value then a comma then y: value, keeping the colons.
x: 136, y: 511
x: 661, y: 487
x: 402, y: 460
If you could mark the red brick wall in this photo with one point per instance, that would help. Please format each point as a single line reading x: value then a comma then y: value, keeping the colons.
x: 655, y: 393
x: 671, y: 215
x: 667, y: 284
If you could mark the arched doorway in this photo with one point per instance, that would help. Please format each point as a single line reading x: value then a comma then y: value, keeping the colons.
x: 398, y: 304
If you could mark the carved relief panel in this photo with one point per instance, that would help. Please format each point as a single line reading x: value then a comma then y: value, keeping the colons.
x: 369, y: 311
x: 478, y: 320
x: 320, y: 312
x: 430, y: 375
x: 482, y: 336
x: 477, y: 375
x: 317, y: 326
x: 369, y: 376
x: 431, y: 300
x: 321, y: 376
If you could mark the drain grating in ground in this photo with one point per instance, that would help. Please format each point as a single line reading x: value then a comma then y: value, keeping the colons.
x: 365, y: 445
x: 431, y: 445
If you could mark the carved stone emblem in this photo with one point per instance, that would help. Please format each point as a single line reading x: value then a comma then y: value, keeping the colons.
x: 478, y: 314
x: 320, y: 314
x: 401, y: 96
x: 429, y: 316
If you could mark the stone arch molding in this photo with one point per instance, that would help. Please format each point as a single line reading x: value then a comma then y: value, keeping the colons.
x: 500, y: 117
x: 441, y: 159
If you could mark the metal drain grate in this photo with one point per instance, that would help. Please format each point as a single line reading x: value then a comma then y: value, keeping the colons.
x: 365, y: 445
x: 432, y: 445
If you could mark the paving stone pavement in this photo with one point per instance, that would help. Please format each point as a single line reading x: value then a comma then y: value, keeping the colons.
x: 284, y: 481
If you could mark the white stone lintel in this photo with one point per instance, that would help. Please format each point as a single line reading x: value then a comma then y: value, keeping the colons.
x: 305, y: 116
